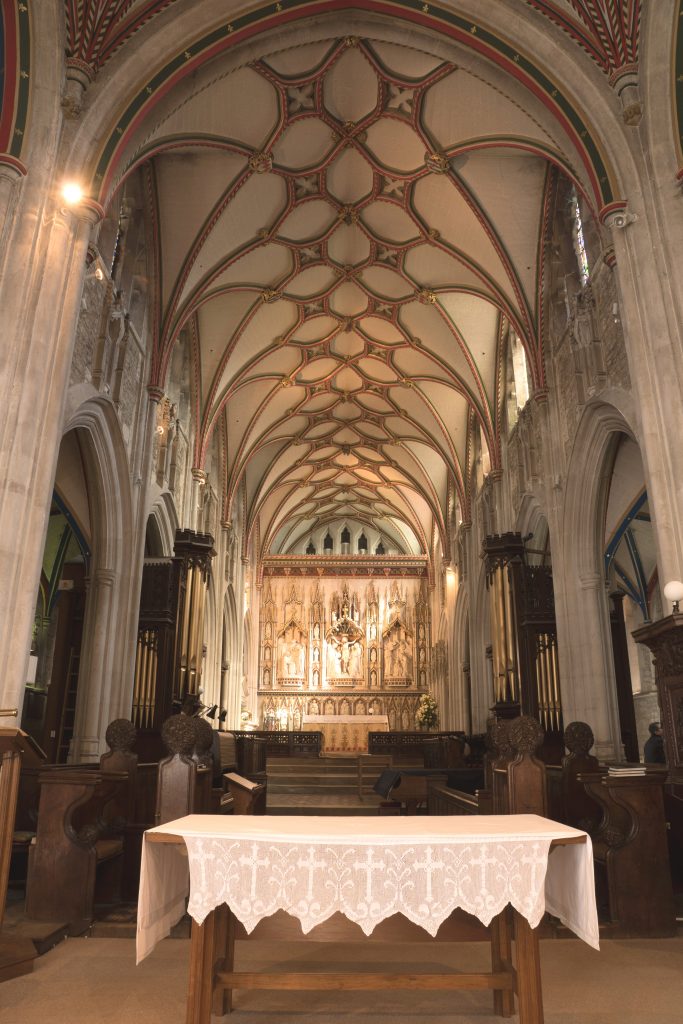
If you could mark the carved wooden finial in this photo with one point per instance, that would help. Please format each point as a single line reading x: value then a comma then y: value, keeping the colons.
x: 179, y: 735
x: 578, y: 738
x: 525, y: 734
x: 121, y: 734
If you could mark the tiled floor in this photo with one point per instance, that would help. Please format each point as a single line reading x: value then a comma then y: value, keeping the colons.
x: 95, y: 981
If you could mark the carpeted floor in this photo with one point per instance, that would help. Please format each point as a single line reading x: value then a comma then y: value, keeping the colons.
x: 95, y: 981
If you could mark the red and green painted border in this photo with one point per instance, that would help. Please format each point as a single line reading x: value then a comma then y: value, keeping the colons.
x: 15, y: 46
x: 677, y: 64
x: 272, y: 15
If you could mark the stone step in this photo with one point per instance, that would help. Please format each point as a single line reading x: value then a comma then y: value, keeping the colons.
x: 323, y: 805
x: 322, y: 782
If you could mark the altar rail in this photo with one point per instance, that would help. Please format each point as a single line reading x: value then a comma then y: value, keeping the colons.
x: 404, y: 745
x: 288, y: 743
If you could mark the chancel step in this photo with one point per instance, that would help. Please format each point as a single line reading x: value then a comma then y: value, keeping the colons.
x: 324, y: 786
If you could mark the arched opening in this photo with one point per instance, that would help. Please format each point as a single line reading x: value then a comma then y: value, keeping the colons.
x: 51, y: 690
x: 594, y: 507
x: 633, y: 583
x: 154, y: 545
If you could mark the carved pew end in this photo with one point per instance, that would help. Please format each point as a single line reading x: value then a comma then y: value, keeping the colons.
x: 248, y: 797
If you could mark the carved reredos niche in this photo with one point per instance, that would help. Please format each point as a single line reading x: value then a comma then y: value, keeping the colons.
x: 342, y: 646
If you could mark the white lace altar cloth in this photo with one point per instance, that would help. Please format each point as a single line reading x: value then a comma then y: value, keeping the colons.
x: 367, y: 869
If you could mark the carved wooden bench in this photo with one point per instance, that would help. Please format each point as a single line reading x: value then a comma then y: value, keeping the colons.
x: 76, y: 858
x: 248, y: 797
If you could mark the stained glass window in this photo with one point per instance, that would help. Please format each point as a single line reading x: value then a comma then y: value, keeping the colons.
x: 579, y: 241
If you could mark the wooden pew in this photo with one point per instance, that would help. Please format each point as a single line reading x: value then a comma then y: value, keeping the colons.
x: 251, y: 756
x: 469, y: 800
x: 633, y: 874
x: 183, y: 786
x: 514, y: 779
x: 447, y: 751
x: 568, y: 800
x: 247, y: 797
x: 519, y: 786
x: 444, y: 800
x: 140, y: 798
x: 407, y: 790
x: 76, y: 859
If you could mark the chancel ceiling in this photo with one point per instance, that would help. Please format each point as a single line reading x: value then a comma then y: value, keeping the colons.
x: 346, y: 232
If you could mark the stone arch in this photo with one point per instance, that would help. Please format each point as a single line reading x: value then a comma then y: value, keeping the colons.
x: 531, y: 519
x: 585, y: 492
x: 110, y: 625
x: 165, y: 520
x: 587, y: 669
x: 590, y: 95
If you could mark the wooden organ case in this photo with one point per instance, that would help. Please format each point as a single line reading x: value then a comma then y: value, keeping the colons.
x: 525, y: 665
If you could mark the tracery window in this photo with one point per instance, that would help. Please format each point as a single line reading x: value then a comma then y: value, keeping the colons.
x: 579, y: 240
x: 517, y: 379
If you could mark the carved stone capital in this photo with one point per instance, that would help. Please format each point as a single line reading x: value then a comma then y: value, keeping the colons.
x: 12, y: 168
x: 615, y: 215
x: 624, y: 81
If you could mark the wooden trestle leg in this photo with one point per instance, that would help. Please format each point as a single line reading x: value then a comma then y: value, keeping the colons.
x: 212, y: 950
x: 529, y: 992
x: 200, y: 984
x: 501, y: 960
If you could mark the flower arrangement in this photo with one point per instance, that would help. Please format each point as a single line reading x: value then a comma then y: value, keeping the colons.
x: 427, y: 713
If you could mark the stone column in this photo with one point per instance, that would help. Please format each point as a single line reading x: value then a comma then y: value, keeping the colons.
x: 40, y: 309
x: 94, y: 677
x: 654, y: 344
x: 12, y: 172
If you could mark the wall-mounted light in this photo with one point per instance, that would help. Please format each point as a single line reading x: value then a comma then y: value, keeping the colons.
x: 72, y: 193
x: 673, y: 591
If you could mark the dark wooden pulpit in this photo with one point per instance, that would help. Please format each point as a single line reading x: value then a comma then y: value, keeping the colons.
x: 665, y: 639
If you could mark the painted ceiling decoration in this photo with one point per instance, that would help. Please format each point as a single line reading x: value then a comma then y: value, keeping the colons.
x: 599, y: 186
x: 15, y: 67
x: 608, y: 30
x: 95, y: 29
x: 678, y: 83
x: 346, y: 232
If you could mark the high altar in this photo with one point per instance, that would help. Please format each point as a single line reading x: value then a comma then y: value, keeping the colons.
x: 343, y: 645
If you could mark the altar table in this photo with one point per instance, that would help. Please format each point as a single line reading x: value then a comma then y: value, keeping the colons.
x: 345, y: 734
x: 248, y: 867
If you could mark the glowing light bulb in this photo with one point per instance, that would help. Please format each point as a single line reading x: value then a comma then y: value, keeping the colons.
x: 673, y: 591
x: 72, y: 193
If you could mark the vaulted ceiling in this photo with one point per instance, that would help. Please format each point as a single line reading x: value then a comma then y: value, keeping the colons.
x: 346, y: 230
